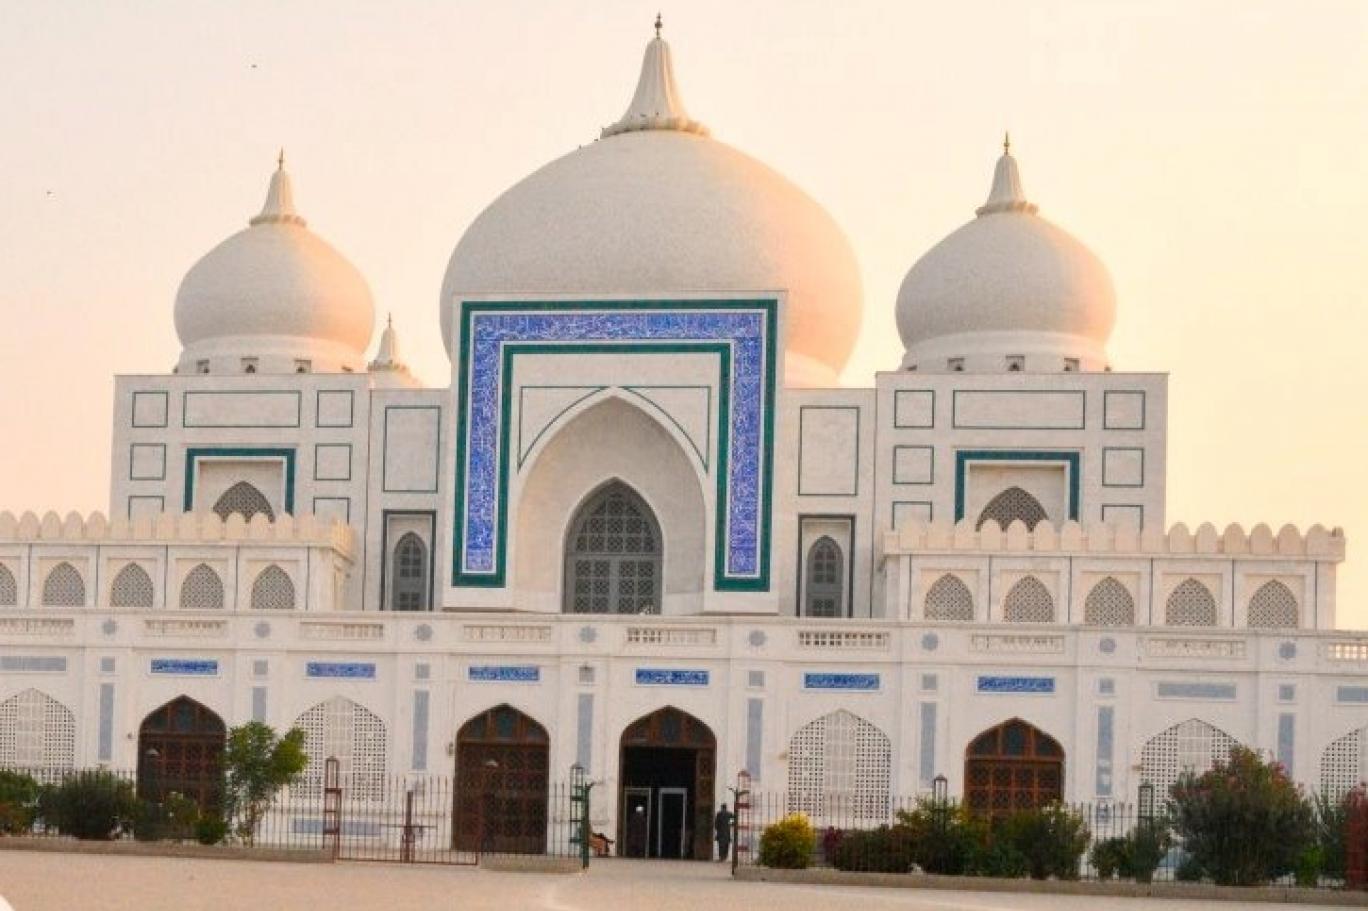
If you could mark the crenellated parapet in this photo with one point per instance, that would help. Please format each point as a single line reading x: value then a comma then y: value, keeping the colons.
x: 167, y: 527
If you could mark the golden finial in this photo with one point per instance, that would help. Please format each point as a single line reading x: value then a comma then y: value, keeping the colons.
x: 658, y: 25
x: 280, y: 159
x: 1006, y: 143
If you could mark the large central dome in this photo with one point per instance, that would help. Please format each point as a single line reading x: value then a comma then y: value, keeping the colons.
x: 657, y: 207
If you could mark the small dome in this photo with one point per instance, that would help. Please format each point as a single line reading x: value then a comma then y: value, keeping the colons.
x: 1009, y: 290
x: 275, y: 296
x: 656, y: 207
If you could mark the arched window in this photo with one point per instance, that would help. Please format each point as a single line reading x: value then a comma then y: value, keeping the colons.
x: 949, y: 598
x: 1344, y: 765
x: 1014, y: 766
x: 1028, y: 601
x: 1010, y: 505
x: 132, y: 587
x: 1273, y: 607
x: 825, y: 572
x: 36, y: 732
x: 1192, y: 746
x: 1109, y: 604
x: 273, y: 590
x: 9, y: 590
x: 350, y: 733
x: 202, y: 589
x: 64, y: 587
x: 840, y: 767
x: 409, y: 588
x: 612, y: 555
x: 1191, y: 604
x: 245, y: 500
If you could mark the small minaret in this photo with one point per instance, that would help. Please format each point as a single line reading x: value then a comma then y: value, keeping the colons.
x: 1006, y: 194
x: 656, y: 105
x: 387, y: 370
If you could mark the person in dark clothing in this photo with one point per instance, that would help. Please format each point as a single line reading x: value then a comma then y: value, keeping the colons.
x: 722, y: 831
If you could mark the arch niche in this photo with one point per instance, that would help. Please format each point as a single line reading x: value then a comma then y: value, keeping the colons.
x: 1013, y: 766
x: 668, y: 766
x: 180, y: 748
x: 502, y: 763
x: 610, y: 440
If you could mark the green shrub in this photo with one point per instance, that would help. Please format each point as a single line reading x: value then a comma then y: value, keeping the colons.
x: 1331, y: 819
x: 946, y: 838
x: 1000, y: 858
x: 788, y: 844
x: 887, y: 849
x: 18, y: 802
x: 1144, y: 848
x: 173, y: 819
x: 1307, y: 869
x: 1109, y: 857
x: 150, y: 822
x: 210, y: 829
x: 89, y: 805
x: 1052, y: 838
x: 1189, y: 870
x: 1244, y: 822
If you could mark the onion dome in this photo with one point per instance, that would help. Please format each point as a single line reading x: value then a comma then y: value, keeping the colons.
x: 1007, y: 291
x: 657, y: 207
x: 274, y: 298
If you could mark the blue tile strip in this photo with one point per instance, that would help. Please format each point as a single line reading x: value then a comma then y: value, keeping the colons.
x: 351, y: 670
x: 926, y: 765
x: 1106, y: 719
x: 106, y: 744
x: 584, y: 731
x: 755, y: 735
x: 1039, y: 685
x: 185, y: 667
x: 647, y: 676
x: 420, y: 730
x: 828, y: 681
x: 504, y: 673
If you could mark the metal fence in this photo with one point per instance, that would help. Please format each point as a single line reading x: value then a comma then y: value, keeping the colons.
x: 415, y: 818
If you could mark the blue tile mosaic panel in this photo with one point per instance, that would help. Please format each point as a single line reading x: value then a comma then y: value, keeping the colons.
x: 493, y: 332
x: 185, y: 667
x: 648, y: 676
x: 1036, y: 685
x: 839, y: 681
x: 504, y: 673
x: 350, y: 670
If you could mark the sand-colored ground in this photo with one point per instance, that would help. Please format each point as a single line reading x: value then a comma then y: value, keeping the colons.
x: 68, y: 882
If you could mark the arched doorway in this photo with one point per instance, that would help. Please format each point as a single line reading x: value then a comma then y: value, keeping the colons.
x: 180, y: 748
x: 501, y: 783
x: 613, y: 555
x: 1014, y: 766
x: 667, y: 766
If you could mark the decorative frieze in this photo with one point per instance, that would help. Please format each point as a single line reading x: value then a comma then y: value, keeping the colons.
x: 37, y: 626
x: 828, y: 639
x: 1187, y: 647
x: 671, y: 635
x: 184, y: 628
x: 505, y: 632
x: 1015, y: 643
x: 349, y: 630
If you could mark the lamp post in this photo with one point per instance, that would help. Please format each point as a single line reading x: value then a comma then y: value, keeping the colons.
x: 940, y: 797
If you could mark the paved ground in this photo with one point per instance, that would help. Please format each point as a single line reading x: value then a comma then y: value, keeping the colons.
x: 69, y: 882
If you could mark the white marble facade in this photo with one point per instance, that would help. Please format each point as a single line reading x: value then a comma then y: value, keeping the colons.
x: 807, y: 569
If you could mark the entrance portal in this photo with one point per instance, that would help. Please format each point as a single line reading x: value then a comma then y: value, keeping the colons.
x: 668, y: 768
x: 501, y: 783
x: 1014, y: 766
x: 180, y: 749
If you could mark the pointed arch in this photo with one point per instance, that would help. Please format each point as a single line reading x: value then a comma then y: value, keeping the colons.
x: 1189, y: 746
x: 409, y: 574
x: 244, y: 499
x: 824, y: 587
x: 354, y: 735
x: 273, y: 590
x: 1273, y: 606
x: 9, y: 589
x: 502, y: 783
x: 669, y: 749
x: 64, y: 587
x: 840, y: 767
x: 1109, y: 604
x: 1190, y: 604
x: 132, y: 587
x: 37, y: 733
x: 613, y: 555
x: 180, y: 749
x: 1028, y: 601
x: 949, y: 599
x: 202, y: 589
x: 1344, y: 764
x: 1012, y: 766
x: 1009, y: 506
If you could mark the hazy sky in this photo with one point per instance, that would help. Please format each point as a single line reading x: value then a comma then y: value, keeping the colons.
x: 1213, y: 154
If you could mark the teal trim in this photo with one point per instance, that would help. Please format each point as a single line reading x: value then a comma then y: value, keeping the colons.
x: 1110, y: 449
x: 964, y: 457
x: 897, y: 398
x: 229, y: 452
x: 721, y: 582
x: 1106, y: 408
x: 522, y: 453
x: 855, y: 465
x: 707, y: 424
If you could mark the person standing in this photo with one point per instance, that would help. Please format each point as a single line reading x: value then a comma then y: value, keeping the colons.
x: 722, y: 831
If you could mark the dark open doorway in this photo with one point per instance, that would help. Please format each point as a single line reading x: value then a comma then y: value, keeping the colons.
x: 667, y: 774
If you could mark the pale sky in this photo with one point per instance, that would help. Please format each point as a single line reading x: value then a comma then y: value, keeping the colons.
x: 1211, y: 153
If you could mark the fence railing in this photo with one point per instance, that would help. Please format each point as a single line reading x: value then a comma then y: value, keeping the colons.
x: 414, y: 818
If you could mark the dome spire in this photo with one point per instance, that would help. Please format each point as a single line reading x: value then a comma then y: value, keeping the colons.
x: 279, y: 207
x: 1006, y: 194
x: 656, y: 104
